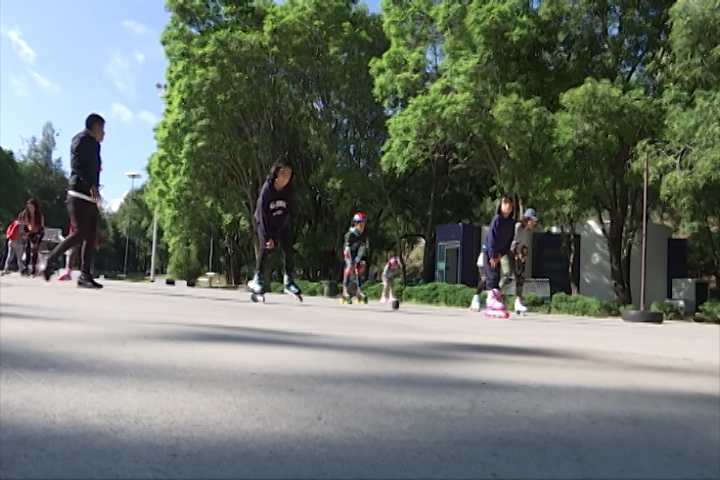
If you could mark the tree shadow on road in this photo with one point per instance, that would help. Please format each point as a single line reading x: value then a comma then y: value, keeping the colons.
x: 241, y: 296
x: 409, y: 349
x: 338, y: 425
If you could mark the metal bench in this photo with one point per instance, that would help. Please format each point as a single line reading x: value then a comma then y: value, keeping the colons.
x: 208, y: 278
x: 532, y: 286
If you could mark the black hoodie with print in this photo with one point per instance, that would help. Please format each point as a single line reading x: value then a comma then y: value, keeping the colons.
x: 273, y: 208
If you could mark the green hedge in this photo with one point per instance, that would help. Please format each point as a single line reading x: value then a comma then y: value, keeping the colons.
x: 709, y: 312
x: 460, y: 296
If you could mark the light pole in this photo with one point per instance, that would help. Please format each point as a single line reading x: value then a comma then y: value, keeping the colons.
x: 643, y: 315
x: 161, y: 89
x: 132, y: 176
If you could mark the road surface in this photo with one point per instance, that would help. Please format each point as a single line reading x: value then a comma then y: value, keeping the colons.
x: 152, y: 381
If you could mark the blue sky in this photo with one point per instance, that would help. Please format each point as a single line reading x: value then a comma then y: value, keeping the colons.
x: 61, y: 60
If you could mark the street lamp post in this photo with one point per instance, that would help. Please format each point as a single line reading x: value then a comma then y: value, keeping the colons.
x: 161, y: 89
x: 132, y: 176
x: 643, y: 315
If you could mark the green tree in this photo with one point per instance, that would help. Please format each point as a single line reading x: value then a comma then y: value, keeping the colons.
x: 12, y: 193
x: 245, y: 90
x: 44, y: 176
x: 688, y: 163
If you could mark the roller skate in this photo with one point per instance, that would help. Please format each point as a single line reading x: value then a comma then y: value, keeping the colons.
x: 361, y: 297
x: 346, y: 298
x: 494, y: 306
x: 520, y: 309
x: 291, y: 288
x: 257, y: 289
x: 475, y: 304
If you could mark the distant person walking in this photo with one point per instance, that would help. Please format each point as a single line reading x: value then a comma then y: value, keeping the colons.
x: 82, y: 200
x: 33, y: 224
x: 15, y: 247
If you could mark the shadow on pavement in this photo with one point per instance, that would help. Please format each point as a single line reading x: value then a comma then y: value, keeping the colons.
x: 241, y: 296
x: 370, y: 426
x: 411, y: 350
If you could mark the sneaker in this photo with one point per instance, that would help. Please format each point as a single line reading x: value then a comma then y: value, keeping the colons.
x: 519, y: 307
x: 47, y: 273
x: 256, y: 284
x: 384, y: 300
x: 66, y: 275
x: 86, y: 281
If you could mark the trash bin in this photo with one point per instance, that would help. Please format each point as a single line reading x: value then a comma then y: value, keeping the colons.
x: 331, y: 288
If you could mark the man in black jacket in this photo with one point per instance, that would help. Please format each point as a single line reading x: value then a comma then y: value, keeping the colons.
x: 82, y: 199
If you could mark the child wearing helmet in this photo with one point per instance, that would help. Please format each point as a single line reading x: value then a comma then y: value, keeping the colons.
x: 388, y: 279
x: 355, y: 245
x: 520, y: 248
x: 272, y: 214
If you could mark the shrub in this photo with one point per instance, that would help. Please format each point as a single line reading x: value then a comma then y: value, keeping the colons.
x: 184, y: 263
x: 709, y: 312
x: 669, y: 311
x: 443, y: 294
x: 582, y: 306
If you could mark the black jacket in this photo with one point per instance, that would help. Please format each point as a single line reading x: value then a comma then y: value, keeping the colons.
x: 85, y: 163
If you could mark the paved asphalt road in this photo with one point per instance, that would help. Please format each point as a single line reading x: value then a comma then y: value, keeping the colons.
x: 151, y: 381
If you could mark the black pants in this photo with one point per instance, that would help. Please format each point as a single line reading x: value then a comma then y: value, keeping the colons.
x: 32, y: 248
x: 286, y: 246
x: 84, y: 219
x: 481, y: 280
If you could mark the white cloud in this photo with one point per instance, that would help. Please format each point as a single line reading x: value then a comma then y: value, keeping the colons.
x: 45, y: 83
x: 19, y: 84
x: 116, y: 202
x: 140, y: 58
x: 148, y: 117
x: 136, y: 28
x: 19, y: 45
x: 122, y: 112
x: 123, y: 73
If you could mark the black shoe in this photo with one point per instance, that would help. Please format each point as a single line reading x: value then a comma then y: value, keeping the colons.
x: 86, y: 281
x: 47, y: 273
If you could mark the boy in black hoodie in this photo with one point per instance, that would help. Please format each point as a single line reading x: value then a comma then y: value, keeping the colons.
x: 498, y: 243
x: 271, y: 219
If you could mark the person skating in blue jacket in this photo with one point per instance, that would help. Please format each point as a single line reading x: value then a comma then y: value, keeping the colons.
x: 496, y: 265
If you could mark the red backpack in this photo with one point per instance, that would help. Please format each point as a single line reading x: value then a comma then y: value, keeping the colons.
x: 13, y: 231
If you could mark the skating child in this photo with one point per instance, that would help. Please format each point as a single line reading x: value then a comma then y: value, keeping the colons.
x: 272, y: 213
x: 388, y: 278
x: 355, y: 245
x: 521, y: 247
x: 496, y: 265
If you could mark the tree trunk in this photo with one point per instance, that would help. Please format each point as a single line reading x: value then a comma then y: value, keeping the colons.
x: 714, y: 249
x: 398, y: 236
x: 429, y: 249
x: 619, y: 262
x: 569, y: 245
